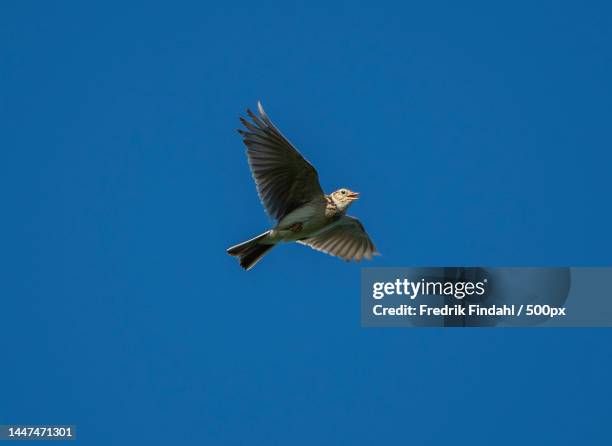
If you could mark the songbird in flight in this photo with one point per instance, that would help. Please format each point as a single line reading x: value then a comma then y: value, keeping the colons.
x: 288, y: 187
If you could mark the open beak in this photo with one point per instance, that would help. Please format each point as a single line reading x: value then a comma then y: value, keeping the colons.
x: 353, y: 195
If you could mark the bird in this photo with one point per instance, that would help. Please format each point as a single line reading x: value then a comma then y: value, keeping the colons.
x: 289, y: 189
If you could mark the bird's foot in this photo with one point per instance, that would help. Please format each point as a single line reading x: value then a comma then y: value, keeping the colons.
x: 296, y: 227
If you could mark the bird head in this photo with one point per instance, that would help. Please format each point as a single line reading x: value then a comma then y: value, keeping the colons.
x: 343, y: 198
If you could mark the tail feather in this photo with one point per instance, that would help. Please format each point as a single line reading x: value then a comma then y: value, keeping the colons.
x: 251, y: 251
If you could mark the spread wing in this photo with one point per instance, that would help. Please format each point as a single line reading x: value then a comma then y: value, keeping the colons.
x: 284, y: 179
x: 346, y: 239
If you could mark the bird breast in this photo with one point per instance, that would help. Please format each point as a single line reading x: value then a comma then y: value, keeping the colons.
x: 309, y: 214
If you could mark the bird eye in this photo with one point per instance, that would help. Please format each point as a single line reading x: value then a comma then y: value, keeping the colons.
x: 343, y: 191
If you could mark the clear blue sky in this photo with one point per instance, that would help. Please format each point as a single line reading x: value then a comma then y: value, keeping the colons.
x: 477, y: 133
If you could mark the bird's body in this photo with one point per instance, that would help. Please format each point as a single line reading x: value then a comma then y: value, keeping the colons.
x: 289, y: 189
x: 313, y: 217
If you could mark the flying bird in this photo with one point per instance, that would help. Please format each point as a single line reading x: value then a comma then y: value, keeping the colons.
x: 289, y: 189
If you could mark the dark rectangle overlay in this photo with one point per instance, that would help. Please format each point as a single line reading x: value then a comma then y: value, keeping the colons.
x: 486, y: 297
x: 37, y: 432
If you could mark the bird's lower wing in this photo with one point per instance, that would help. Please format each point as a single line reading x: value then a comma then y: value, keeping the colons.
x: 346, y: 239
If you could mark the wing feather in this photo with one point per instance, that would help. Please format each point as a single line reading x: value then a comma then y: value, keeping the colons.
x: 346, y: 239
x: 285, y: 180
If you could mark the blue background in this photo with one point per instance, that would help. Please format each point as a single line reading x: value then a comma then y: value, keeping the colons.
x: 477, y: 134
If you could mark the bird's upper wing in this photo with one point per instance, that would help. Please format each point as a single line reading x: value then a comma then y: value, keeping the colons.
x: 284, y: 179
x: 346, y: 239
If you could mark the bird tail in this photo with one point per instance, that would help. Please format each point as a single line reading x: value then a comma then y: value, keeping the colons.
x: 251, y: 251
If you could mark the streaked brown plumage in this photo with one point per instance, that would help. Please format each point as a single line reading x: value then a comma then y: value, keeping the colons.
x: 288, y: 186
